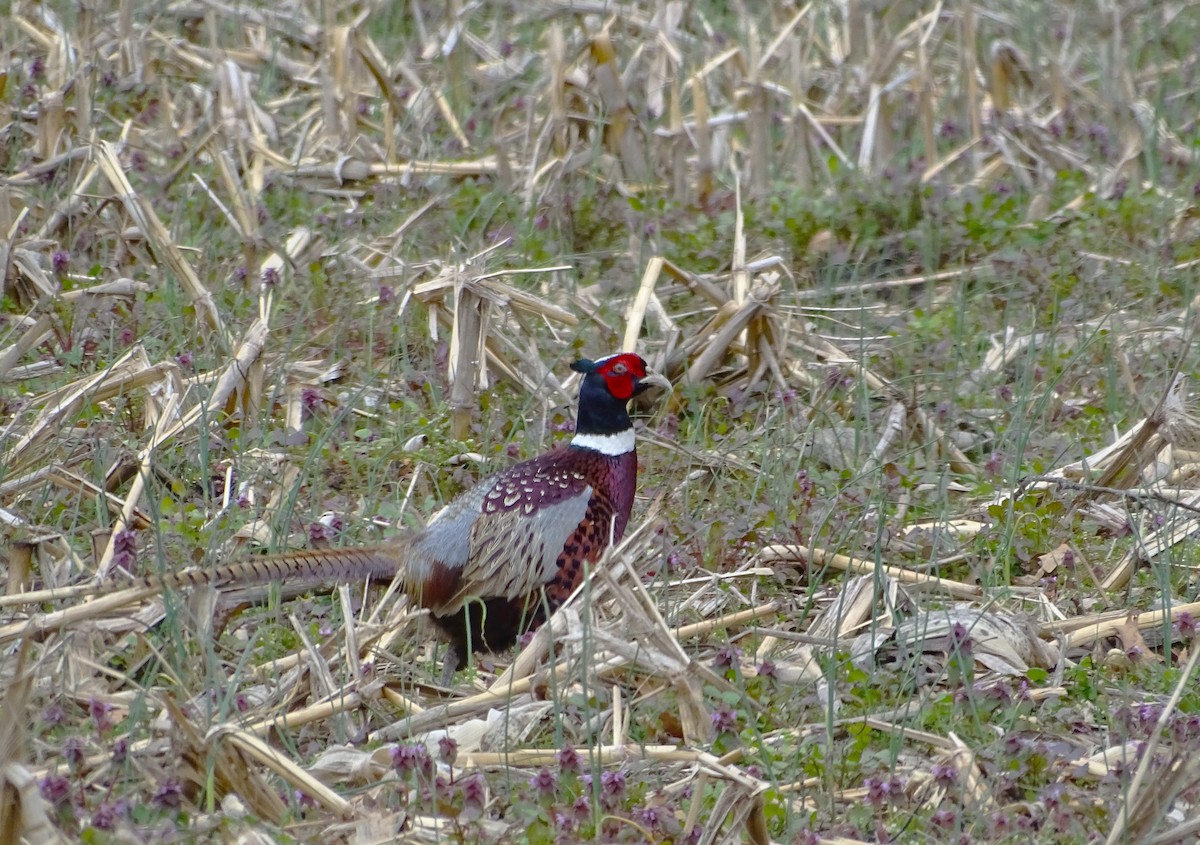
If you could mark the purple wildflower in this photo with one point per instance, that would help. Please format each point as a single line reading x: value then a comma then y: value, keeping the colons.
x: 728, y: 656
x: 568, y: 759
x: 168, y: 796
x: 724, y: 720
x: 56, y: 789
x: 544, y: 782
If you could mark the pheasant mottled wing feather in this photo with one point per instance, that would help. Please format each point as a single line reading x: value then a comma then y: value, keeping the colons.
x: 504, y: 537
x: 517, y: 553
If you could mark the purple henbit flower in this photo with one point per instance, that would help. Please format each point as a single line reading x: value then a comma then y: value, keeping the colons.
x: 105, y: 816
x: 474, y: 791
x: 53, y: 716
x: 724, y: 720
x: 447, y: 749
x: 882, y: 790
x: 729, y: 656
x: 1000, y: 691
x: 649, y: 816
x: 768, y: 669
x: 73, y: 751
x: 944, y: 774
x: 1147, y: 714
x: 1186, y: 727
x: 944, y: 818
x: 311, y: 399
x: 568, y: 759
x: 1052, y: 796
x: 56, y: 789
x: 412, y: 758
x: 544, y: 782
x: 613, y: 783
x: 120, y: 750
x: 270, y: 276
x: 37, y: 67
x: 168, y: 796
x: 386, y: 294
x: 582, y: 808
x: 805, y: 486
x: 184, y: 360
x: 317, y: 533
x: 98, y: 711
x: 1186, y: 624
x: 60, y: 260
x: 960, y: 638
x: 876, y: 790
x: 124, y: 545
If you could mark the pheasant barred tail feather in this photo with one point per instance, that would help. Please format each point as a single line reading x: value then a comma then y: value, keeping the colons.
x: 311, y: 565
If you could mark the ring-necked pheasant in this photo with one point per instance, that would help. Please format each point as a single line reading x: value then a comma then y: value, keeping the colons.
x: 494, y: 561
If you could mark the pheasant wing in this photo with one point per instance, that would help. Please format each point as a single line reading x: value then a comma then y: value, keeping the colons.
x: 502, y: 538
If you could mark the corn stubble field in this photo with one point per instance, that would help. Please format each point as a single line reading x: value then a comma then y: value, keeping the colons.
x: 912, y: 558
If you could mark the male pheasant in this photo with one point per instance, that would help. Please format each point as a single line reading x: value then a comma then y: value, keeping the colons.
x: 496, y: 560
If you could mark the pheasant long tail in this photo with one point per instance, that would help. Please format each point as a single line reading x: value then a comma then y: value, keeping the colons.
x: 327, y: 566
x: 312, y: 566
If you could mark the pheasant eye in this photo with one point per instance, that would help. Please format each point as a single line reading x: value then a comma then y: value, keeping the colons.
x: 619, y: 369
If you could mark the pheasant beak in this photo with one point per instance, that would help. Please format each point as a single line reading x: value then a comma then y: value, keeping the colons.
x: 653, y: 379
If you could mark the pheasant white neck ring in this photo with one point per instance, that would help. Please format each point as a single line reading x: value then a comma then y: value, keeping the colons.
x: 613, y: 445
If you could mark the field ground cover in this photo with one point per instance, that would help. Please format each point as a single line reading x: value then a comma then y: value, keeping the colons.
x: 912, y: 559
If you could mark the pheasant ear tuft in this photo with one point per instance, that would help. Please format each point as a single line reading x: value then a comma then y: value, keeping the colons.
x: 583, y: 365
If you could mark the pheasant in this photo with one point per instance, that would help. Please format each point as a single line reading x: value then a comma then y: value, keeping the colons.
x: 495, y: 561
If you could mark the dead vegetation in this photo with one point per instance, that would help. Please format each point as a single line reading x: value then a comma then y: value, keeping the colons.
x: 277, y: 275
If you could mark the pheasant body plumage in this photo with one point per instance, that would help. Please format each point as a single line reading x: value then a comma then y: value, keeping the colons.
x: 501, y: 557
x: 538, y: 527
